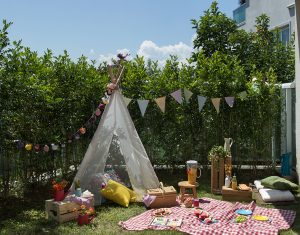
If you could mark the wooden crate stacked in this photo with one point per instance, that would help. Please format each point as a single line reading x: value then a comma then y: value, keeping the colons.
x: 217, y: 175
x: 61, y: 211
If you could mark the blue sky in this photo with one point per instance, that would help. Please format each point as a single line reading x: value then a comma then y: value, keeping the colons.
x: 100, y: 29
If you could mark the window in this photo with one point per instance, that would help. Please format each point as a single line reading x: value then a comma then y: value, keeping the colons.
x: 284, y: 34
x: 239, y: 14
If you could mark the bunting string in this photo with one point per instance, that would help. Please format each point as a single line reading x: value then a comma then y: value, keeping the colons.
x: 177, y: 95
x: 143, y: 104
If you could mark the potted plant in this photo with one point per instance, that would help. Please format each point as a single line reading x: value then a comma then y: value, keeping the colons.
x: 217, y: 153
x: 85, y: 215
x: 77, y: 188
x: 58, y: 189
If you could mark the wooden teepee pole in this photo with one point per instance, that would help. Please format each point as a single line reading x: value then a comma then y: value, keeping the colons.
x: 120, y: 76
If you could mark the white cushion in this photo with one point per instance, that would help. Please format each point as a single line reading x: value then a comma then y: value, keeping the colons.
x: 258, y: 184
x: 274, y: 195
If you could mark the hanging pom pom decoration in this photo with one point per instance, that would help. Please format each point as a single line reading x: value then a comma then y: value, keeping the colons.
x: 46, y: 148
x: 36, y: 148
x: 54, y: 147
x: 111, y: 86
x: 28, y: 147
x: 63, y: 145
x: 98, y: 112
x: 102, y: 107
x: 69, y: 141
x: 82, y: 130
x: 20, y: 145
x: 105, y: 100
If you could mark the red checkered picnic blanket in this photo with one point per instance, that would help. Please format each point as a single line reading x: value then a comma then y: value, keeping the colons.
x: 224, y: 212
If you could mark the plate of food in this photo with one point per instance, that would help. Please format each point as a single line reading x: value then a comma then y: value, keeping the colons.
x: 260, y: 217
x: 162, y: 212
x: 243, y: 212
x: 240, y: 219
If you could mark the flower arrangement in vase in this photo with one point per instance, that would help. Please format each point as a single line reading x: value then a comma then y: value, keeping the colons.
x: 58, y: 189
x: 85, y: 215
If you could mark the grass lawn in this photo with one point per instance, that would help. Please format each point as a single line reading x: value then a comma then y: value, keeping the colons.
x: 27, y: 215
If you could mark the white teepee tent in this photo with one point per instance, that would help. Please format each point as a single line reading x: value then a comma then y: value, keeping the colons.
x: 116, y: 121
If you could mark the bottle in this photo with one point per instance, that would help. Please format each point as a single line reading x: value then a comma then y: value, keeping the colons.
x: 234, y: 183
x: 227, y: 181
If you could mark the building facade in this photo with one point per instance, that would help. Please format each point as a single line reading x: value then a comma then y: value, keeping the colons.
x: 281, y: 13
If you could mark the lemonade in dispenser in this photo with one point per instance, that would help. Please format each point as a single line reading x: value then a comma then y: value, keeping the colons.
x: 192, y: 171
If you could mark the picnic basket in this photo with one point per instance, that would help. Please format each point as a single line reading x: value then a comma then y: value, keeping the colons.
x: 165, y: 196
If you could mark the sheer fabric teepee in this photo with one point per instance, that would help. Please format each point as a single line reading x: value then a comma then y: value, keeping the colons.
x: 116, y: 122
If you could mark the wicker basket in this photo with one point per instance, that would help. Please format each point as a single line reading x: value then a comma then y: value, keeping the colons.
x: 165, y: 196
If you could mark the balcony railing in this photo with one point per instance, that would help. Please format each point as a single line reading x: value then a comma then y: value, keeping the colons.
x: 239, y: 14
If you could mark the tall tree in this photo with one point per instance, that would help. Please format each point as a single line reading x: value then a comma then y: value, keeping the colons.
x: 213, y: 30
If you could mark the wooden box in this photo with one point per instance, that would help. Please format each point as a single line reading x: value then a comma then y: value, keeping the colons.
x: 217, y: 176
x: 165, y: 197
x: 228, y: 194
x: 61, y: 211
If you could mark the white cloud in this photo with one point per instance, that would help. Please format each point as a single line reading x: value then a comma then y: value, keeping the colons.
x: 108, y: 57
x: 150, y: 50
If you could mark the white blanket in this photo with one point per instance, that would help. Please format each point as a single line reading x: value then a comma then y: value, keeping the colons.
x: 273, y: 195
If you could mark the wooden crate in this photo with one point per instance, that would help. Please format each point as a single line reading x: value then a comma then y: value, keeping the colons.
x: 165, y: 197
x: 228, y: 194
x: 61, y: 211
x: 217, y: 176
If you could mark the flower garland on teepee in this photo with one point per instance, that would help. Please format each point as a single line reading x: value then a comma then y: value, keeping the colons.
x: 38, y: 147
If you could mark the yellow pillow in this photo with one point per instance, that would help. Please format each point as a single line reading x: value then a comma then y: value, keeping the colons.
x: 118, y: 193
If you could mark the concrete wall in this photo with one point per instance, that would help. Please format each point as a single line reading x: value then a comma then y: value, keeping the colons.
x: 277, y: 10
x: 297, y: 80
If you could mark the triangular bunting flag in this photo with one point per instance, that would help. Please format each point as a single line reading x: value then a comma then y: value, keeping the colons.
x: 230, y: 101
x: 177, y: 96
x: 161, y: 102
x: 243, y: 95
x: 143, y: 106
x: 201, y: 102
x: 187, y: 94
x: 216, y: 103
x: 126, y: 100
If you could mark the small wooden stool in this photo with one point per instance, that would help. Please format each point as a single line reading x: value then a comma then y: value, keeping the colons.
x: 183, y: 185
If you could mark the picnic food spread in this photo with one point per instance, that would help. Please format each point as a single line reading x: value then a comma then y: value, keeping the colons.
x: 162, y: 212
x: 204, y: 216
x: 215, y: 216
